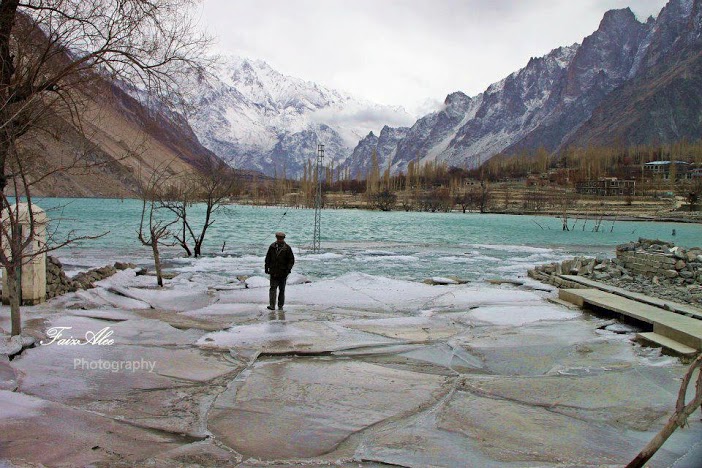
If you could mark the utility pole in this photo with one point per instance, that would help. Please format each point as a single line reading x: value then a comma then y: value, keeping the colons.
x: 318, y: 201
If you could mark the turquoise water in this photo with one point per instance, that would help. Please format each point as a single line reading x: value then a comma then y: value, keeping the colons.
x: 395, y: 244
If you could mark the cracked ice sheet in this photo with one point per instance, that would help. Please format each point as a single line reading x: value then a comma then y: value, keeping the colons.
x: 626, y: 398
x: 8, y: 379
x: 468, y: 430
x: 366, y: 292
x: 134, y: 340
x: 308, y: 408
x: 568, y: 347
x: 246, y: 311
x: 177, y: 294
x: 284, y: 337
x: 517, y: 315
x: 415, y: 329
x: 439, y: 358
x: 165, y: 393
x: 539, y: 430
x: 40, y: 431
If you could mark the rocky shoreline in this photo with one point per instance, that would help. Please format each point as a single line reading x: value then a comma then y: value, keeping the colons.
x: 653, y: 267
x: 57, y: 283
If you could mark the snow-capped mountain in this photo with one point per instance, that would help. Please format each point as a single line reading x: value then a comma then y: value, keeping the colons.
x: 257, y: 118
x: 545, y: 103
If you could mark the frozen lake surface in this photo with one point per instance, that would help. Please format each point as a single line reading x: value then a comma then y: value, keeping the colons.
x: 366, y: 365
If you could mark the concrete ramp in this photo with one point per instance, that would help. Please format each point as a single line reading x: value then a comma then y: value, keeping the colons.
x: 669, y: 325
x: 684, y: 309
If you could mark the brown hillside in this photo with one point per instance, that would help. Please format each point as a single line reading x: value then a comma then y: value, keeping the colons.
x: 117, y: 140
x: 662, y: 106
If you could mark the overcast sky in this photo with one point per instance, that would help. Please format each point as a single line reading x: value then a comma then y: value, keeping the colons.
x: 405, y: 52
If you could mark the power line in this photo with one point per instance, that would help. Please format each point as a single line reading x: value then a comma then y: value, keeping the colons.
x: 316, y: 241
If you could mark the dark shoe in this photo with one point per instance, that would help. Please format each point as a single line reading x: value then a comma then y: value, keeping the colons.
x: 270, y: 307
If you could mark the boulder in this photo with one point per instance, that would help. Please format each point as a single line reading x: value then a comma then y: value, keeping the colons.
x: 438, y: 280
x: 599, y: 276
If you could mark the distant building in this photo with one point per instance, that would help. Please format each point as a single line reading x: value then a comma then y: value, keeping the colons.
x: 540, y: 180
x: 663, y: 169
x: 606, y: 187
x: 695, y: 173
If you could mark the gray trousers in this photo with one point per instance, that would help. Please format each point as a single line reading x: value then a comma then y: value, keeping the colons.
x: 277, y: 284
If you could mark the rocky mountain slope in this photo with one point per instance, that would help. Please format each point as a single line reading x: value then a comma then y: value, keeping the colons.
x: 663, y: 102
x: 120, y: 142
x: 257, y: 118
x: 629, y: 81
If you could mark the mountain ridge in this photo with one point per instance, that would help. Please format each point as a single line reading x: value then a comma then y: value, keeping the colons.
x: 258, y: 118
x: 547, y: 102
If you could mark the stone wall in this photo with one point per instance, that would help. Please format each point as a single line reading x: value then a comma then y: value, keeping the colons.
x: 652, y: 267
x: 57, y: 283
x: 663, y: 260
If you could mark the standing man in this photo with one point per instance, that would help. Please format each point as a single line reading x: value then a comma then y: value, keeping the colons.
x: 279, y: 262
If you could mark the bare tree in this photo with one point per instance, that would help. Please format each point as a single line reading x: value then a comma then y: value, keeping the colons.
x: 436, y: 199
x: 484, y: 196
x: 53, y: 55
x: 566, y: 200
x: 407, y: 201
x: 24, y: 236
x: 156, y: 228
x: 214, y: 184
x: 693, y: 193
x: 178, y: 197
x: 53, y: 51
x: 384, y: 200
x: 464, y: 199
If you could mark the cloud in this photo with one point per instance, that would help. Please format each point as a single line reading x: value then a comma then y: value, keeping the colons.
x: 363, y: 119
x: 428, y: 106
x: 405, y: 51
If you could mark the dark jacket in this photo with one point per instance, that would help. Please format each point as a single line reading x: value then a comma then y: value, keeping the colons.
x: 279, y: 260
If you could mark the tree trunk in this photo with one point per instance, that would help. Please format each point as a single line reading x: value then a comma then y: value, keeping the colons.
x: 157, y: 260
x: 13, y: 294
x: 199, y: 241
x: 184, y: 243
x: 8, y: 13
x: 185, y: 247
x: 678, y: 419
